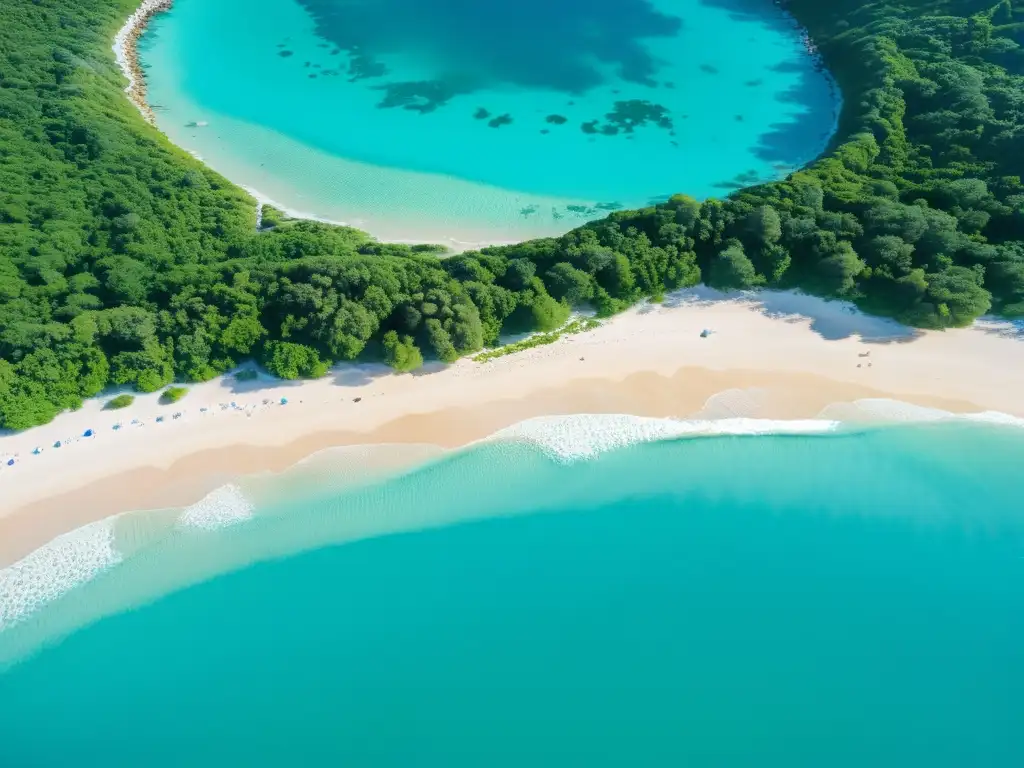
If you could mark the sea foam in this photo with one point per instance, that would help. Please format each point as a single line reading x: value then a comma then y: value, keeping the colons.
x: 996, y: 417
x: 219, y: 509
x: 69, y: 560
x: 586, y: 436
x: 896, y: 411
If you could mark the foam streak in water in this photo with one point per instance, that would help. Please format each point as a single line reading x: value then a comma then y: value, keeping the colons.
x: 56, y: 568
x: 585, y: 436
x: 896, y: 411
x: 219, y: 509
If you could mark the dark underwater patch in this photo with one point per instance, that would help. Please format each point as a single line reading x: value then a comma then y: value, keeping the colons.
x: 423, y: 96
x: 566, y: 47
x: 626, y: 116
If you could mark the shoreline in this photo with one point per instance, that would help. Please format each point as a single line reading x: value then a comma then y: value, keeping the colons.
x: 127, y: 54
x: 452, y: 245
x: 812, y: 359
x: 187, y: 475
x: 460, y: 240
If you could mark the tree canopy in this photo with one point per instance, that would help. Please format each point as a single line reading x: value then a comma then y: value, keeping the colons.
x: 123, y: 260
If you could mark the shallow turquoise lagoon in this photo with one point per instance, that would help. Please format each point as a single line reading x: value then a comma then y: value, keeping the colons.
x: 800, y: 601
x: 471, y: 122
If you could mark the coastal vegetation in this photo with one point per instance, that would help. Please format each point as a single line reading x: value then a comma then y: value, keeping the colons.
x: 125, y: 261
x: 401, y: 353
x: 119, y: 402
x: 173, y: 395
x: 578, y: 325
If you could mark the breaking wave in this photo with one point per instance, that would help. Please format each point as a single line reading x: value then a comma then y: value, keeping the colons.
x: 885, y: 411
x: 69, y: 560
x: 586, y: 436
x: 221, y: 508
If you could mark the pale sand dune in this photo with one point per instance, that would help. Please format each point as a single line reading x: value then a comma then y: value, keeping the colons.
x: 772, y: 355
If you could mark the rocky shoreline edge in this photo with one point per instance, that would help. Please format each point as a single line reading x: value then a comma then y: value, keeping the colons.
x: 126, y: 51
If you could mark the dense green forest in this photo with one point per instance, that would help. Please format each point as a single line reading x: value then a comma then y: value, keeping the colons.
x: 125, y: 261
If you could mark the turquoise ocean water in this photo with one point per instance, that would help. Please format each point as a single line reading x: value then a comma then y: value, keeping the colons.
x: 469, y: 122
x: 847, y: 599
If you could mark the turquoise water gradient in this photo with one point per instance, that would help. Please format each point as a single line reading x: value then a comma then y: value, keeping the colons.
x: 841, y: 601
x: 485, y: 121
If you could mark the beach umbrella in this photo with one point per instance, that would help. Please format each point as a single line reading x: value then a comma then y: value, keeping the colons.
x: 57, y: 444
x: 284, y: 401
x: 87, y: 433
x: 37, y: 451
x: 10, y: 462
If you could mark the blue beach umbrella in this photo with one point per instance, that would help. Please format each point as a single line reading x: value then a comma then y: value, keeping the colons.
x: 37, y: 451
x: 87, y: 433
x: 284, y: 401
x: 10, y: 462
x: 57, y: 444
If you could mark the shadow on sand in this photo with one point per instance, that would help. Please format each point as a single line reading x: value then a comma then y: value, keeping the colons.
x: 831, y: 320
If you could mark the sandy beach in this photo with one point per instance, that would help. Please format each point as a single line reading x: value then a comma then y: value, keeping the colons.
x: 770, y: 356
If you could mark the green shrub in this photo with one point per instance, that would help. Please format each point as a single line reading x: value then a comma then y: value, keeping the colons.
x: 580, y: 325
x: 401, y: 353
x: 121, y: 401
x: 288, y: 360
x: 173, y: 394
